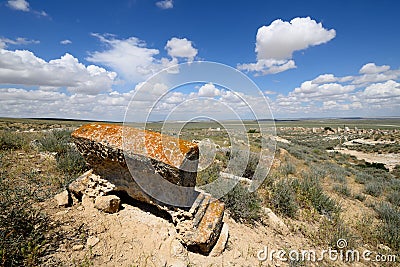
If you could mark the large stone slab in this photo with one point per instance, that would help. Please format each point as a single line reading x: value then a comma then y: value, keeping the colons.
x: 122, y: 158
x: 125, y: 155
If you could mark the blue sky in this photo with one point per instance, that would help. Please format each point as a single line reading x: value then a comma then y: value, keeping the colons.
x: 85, y: 59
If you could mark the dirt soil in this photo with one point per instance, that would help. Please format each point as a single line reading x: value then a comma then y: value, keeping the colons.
x: 136, y: 237
x: 390, y: 160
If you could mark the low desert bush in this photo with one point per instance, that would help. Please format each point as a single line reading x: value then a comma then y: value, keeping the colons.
x: 331, y: 231
x: 22, y: 227
x: 312, y: 190
x: 243, y: 205
x: 360, y: 197
x: 374, y: 188
x: 287, y: 168
x: 396, y: 171
x: 57, y: 141
x: 389, y: 231
x: 283, y: 198
x: 12, y: 140
x: 208, y: 175
x: 394, y: 198
x: 363, y: 178
x: 69, y: 160
x: 342, y: 189
x: 250, y: 160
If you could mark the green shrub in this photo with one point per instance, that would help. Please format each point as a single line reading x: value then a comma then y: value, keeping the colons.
x: 208, y: 175
x: 342, y: 189
x: 394, y: 198
x: 396, y: 171
x: 287, y: 168
x: 395, y: 184
x: 360, y: 197
x: 389, y: 232
x: 251, y: 162
x: 336, y: 172
x: 56, y: 141
x: 243, y: 205
x: 311, y: 189
x: 284, y: 198
x: 374, y: 189
x: 363, y: 178
x: 71, y: 162
x: 12, y: 140
x: 339, y: 230
x: 22, y: 227
x: 319, y: 171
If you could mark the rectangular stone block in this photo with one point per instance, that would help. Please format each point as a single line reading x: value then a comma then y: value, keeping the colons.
x: 118, y: 153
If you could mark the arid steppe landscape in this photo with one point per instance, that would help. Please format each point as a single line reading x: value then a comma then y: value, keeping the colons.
x: 330, y: 180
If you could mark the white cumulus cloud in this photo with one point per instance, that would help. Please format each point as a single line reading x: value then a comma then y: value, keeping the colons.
x: 134, y: 61
x: 276, y: 43
x: 389, y: 89
x: 65, y: 42
x: 165, y: 4
x: 4, y: 42
x: 181, y: 48
x: 21, y: 5
x: 24, y: 68
x: 209, y: 90
x: 371, y: 68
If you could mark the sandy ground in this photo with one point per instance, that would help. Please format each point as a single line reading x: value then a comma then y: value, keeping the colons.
x: 134, y: 237
x: 389, y: 160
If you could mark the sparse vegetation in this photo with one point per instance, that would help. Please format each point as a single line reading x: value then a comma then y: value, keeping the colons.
x: 284, y: 198
x: 361, y: 197
x: 11, y: 140
x: 363, y: 178
x: 69, y: 160
x: 309, y: 187
x: 342, y: 189
x: 374, y: 188
x: 22, y: 227
x: 243, y: 205
x: 389, y: 230
x: 394, y: 198
x: 311, y: 190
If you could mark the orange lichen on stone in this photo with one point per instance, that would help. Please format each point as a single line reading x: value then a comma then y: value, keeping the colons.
x: 164, y: 148
x: 210, y: 225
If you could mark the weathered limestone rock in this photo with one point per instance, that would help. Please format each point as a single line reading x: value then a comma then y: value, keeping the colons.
x: 91, y: 185
x: 220, y: 246
x: 275, y: 221
x: 92, y: 241
x: 109, y: 204
x: 119, y: 164
x: 62, y: 198
x: 78, y: 187
x: 202, y: 231
x: 140, y: 155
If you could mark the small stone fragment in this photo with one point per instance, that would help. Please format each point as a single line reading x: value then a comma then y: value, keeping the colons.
x: 62, y: 198
x: 219, y: 247
x: 276, y: 222
x: 77, y: 247
x: 108, y: 204
x: 92, y: 241
x: 384, y: 247
x: 78, y: 187
x: 200, y: 235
